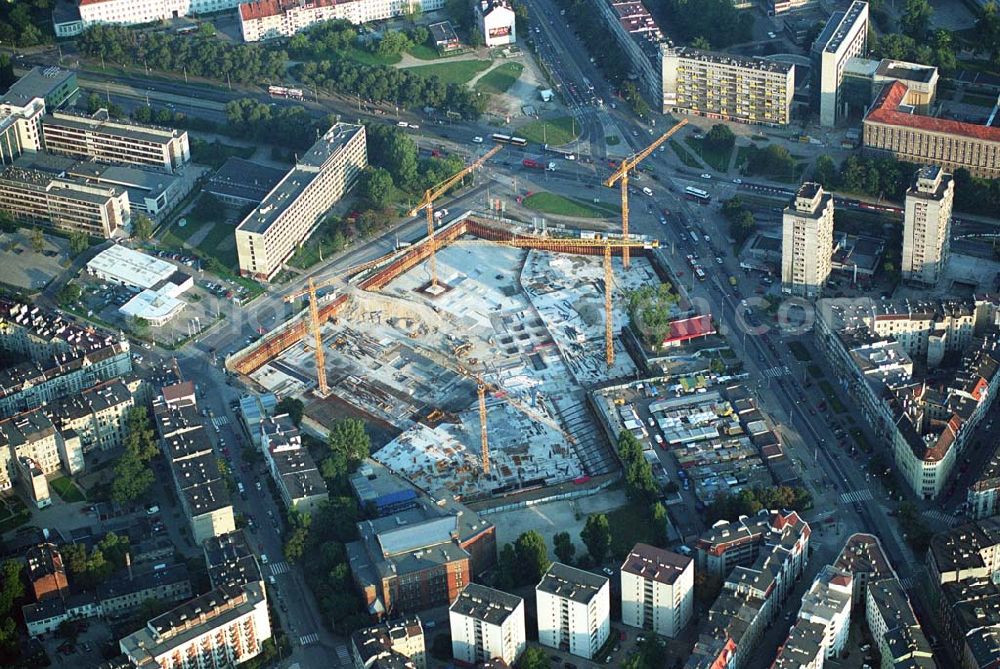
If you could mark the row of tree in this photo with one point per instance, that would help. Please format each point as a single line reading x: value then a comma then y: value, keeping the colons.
x: 651, y: 309
x: 11, y: 592
x: 747, y: 502
x: 290, y: 126
x: 133, y: 475
x: 24, y: 23
x: 196, y: 55
x: 742, y: 223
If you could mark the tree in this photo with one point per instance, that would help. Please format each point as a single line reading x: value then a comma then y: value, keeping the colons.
x: 563, y: 547
x: 68, y: 294
x: 349, y: 438
x: 142, y: 227
x: 376, y: 187
x: 392, y: 43
x: 988, y: 31
x: 720, y: 137
x: 825, y: 172
x: 640, y: 484
x: 507, y: 568
x: 916, y: 19
x: 596, y: 536
x: 658, y: 521
x: 295, y: 545
x: 11, y: 585
x: 534, y: 657
x: 293, y: 406
x: 532, y: 556
x: 138, y: 325
x: 133, y: 477
x: 37, y: 240
x: 78, y: 242
x: 7, y: 223
x: 702, y: 43
x: 208, y: 208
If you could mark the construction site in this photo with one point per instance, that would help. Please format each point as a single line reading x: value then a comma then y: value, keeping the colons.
x: 478, y: 343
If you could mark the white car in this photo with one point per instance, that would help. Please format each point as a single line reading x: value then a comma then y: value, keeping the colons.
x: 737, y: 181
x: 263, y: 558
x: 706, y: 175
x: 477, y: 140
x: 771, y: 35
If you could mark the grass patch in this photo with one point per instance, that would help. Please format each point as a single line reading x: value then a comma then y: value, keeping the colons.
x: 456, y: 72
x: 500, y: 79
x: 424, y: 52
x: 800, y: 351
x: 613, y: 140
x: 831, y: 397
x: 861, y: 440
x: 13, y: 514
x: 557, y: 131
x: 629, y: 525
x: 558, y: 205
x: 214, y: 154
x: 367, y: 57
x: 980, y: 100
x: 683, y: 154
x: 220, y: 244
x: 718, y: 160
x: 67, y: 490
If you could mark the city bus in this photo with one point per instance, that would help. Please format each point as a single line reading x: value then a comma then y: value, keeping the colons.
x: 507, y: 139
x: 697, y: 195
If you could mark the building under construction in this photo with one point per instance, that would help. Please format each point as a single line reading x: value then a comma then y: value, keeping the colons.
x: 520, y: 314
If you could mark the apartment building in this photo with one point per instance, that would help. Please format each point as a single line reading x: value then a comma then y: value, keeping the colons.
x: 268, y: 19
x: 657, y: 590
x: 727, y: 87
x: 32, y: 435
x: 727, y: 545
x: 864, y: 559
x: 229, y: 560
x: 69, y: 23
x: 640, y: 40
x: 486, y: 624
x: 894, y: 626
x: 399, y: 644
x: 99, y: 138
x: 983, y: 496
x: 828, y: 603
x: 289, y: 214
x: 294, y: 472
x: 807, y: 241
x: 224, y: 627
x: 97, y: 415
x: 927, y: 226
x: 927, y: 421
x: 574, y: 610
x: 128, y: 590
x: 803, y: 648
x: 64, y: 203
x: 890, y: 127
x: 46, y: 573
x: 844, y: 37
x: 29, y: 474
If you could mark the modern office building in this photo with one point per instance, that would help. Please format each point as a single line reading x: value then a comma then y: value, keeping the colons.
x: 269, y: 235
x: 574, y: 610
x: 844, y: 37
x: 108, y: 141
x: 24, y: 104
x: 396, y: 645
x: 807, y: 241
x: 71, y: 20
x: 657, y: 590
x: 496, y: 22
x: 777, y: 7
x: 891, y: 127
x: 486, y: 624
x: 927, y: 226
x: 267, y: 19
x: 723, y: 86
x: 224, y: 627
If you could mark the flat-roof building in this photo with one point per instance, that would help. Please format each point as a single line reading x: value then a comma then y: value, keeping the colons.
x: 290, y: 212
x: 657, y: 590
x: 128, y: 590
x: 294, y: 472
x: 486, y: 624
x: 807, y: 241
x: 230, y: 560
x: 574, y: 610
x: 927, y: 226
x: 393, y: 645
x: 496, y: 22
x: 69, y: 21
x: 844, y: 37
x: 242, y: 182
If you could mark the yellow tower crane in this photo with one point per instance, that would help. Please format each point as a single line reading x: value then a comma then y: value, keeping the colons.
x: 621, y: 176
x: 433, y: 193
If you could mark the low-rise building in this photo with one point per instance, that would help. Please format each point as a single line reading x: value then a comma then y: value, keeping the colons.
x: 128, y: 590
x: 224, y: 627
x: 46, y: 572
x: 32, y: 479
x: 44, y: 617
x: 657, y: 589
x: 398, y: 644
x: 574, y: 610
x: 486, y: 624
x: 242, y: 183
x: 292, y: 468
x: 69, y: 21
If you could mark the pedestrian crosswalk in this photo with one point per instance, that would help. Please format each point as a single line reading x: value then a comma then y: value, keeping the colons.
x: 775, y: 372
x: 219, y: 421
x: 277, y: 568
x: 863, y: 495
x: 941, y: 517
x: 907, y: 582
x: 307, y: 639
x: 343, y: 655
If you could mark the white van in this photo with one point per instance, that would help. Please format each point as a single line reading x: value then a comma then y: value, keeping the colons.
x: 648, y: 192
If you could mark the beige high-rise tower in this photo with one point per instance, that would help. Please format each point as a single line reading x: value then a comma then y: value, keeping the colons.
x: 927, y: 226
x: 807, y: 241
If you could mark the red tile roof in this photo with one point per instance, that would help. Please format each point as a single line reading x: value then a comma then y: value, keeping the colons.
x: 886, y: 111
x: 689, y: 328
x: 259, y: 9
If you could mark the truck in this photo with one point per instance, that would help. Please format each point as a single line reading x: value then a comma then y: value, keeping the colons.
x: 539, y: 163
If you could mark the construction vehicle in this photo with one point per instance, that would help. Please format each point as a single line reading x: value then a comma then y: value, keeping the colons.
x: 433, y: 193
x: 620, y: 176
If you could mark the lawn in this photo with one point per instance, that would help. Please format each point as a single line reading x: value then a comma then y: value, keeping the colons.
x: 683, y: 154
x: 13, y: 514
x: 220, y: 244
x: 366, y: 57
x: 550, y: 203
x: 500, y: 79
x: 557, y: 131
x: 454, y: 72
x: 744, y: 153
x: 424, y: 52
x: 67, y: 490
x: 718, y: 160
x: 831, y: 397
x: 612, y: 140
x: 800, y: 351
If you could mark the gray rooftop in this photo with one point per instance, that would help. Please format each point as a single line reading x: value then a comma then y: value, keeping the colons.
x: 38, y: 83
x: 486, y: 604
x: 571, y: 583
x: 134, y: 131
x: 230, y: 560
x: 244, y: 179
x: 747, y: 62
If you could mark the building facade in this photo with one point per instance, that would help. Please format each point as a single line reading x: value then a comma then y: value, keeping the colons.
x: 894, y: 627
x: 640, y: 40
x: 927, y: 226
x: 130, y: 12
x: 486, y: 624
x: 731, y: 88
x: 574, y: 610
x: 289, y: 214
x: 657, y: 590
x: 828, y: 604
x: 807, y: 241
x: 496, y: 22
x: 97, y: 415
x: 268, y: 19
x: 845, y: 36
